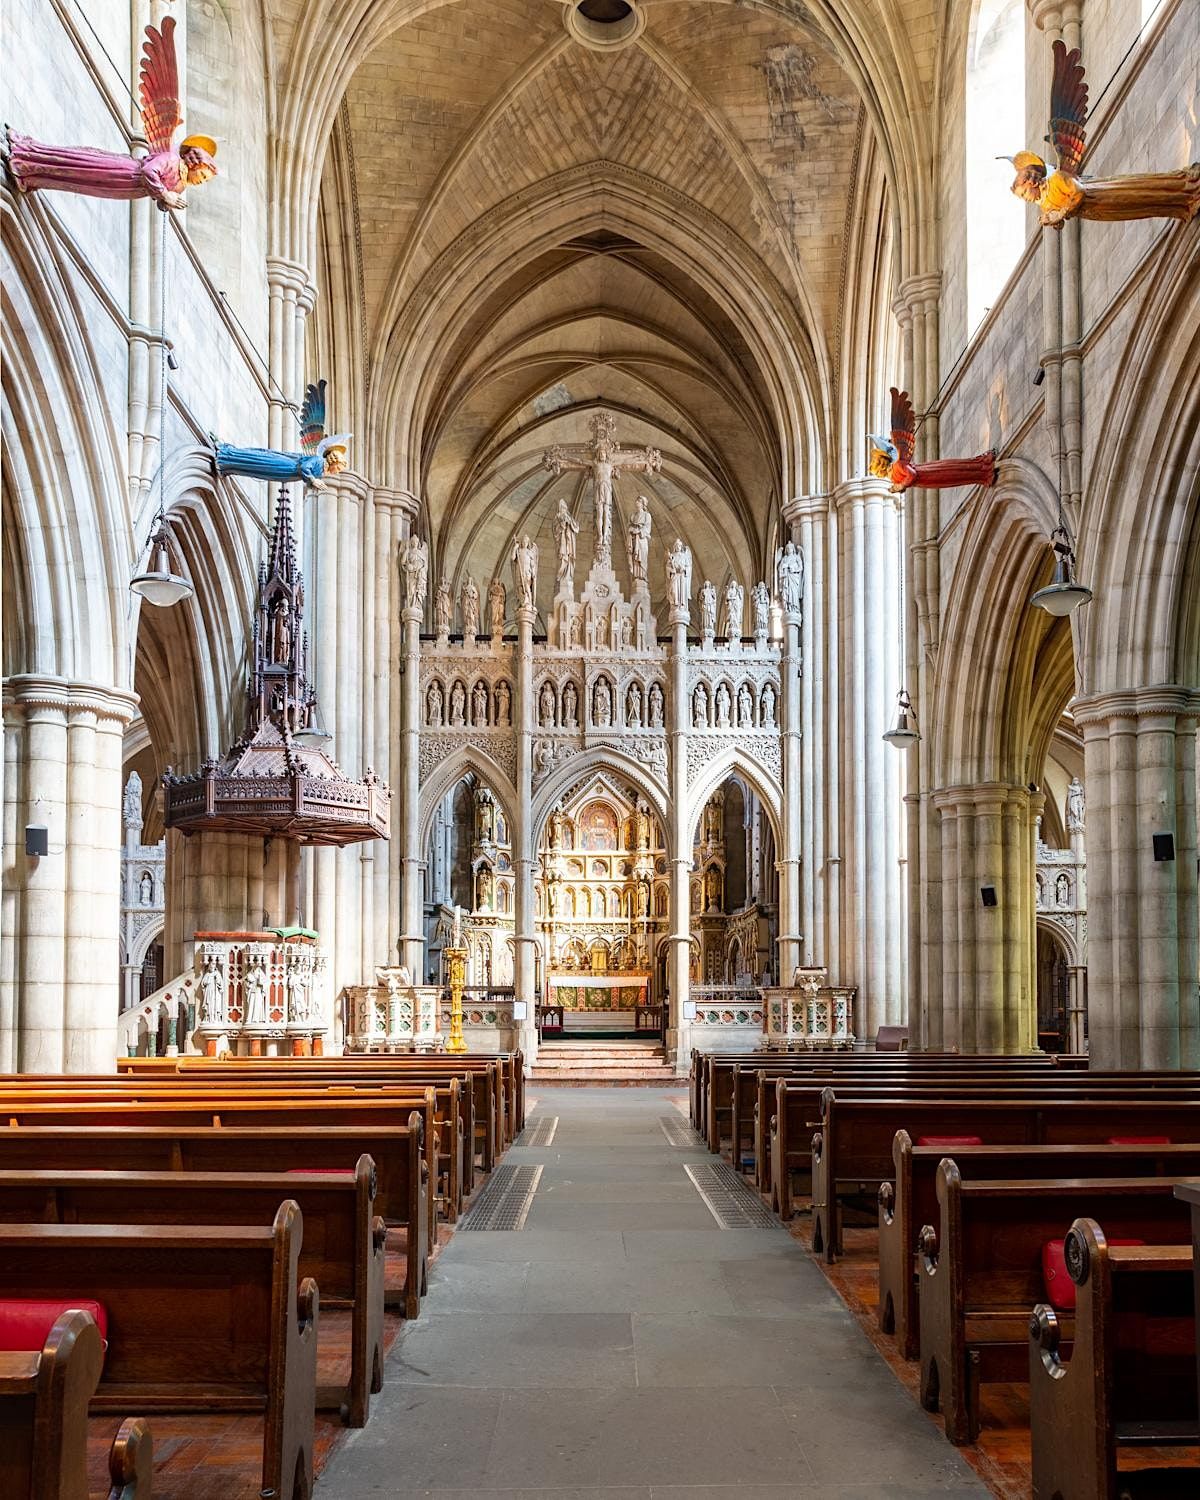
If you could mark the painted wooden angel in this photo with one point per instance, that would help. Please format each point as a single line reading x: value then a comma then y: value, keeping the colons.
x: 319, y: 456
x: 892, y: 457
x: 1064, y: 194
x: 162, y: 174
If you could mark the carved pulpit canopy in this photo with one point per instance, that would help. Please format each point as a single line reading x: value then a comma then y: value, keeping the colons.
x: 277, y: 779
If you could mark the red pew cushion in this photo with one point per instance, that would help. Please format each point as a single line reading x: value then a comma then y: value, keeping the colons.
x: 1139, y: 1140
x: 1060, y: 1289
x: 25, y: 1323
x: 949, y: 1140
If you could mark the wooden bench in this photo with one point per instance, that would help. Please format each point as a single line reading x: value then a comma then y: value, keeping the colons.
x: 231, y: 1110
x: 1130, y: 1380
x: 44, y: 1396
x: 343, y: 1249
x: 852, y: 1150
x: 200, y: 1319
x: 909, y: 1201
x: 982, y: 1272
x: 401, y: 1197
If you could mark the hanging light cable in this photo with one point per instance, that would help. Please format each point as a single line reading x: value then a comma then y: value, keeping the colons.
x: 903, y: 734
x: 1064, y: 594
x: 159, y: 584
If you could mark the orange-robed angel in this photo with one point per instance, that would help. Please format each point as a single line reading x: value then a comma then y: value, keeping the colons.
x: 892, y: 457
x: 1064, y: 194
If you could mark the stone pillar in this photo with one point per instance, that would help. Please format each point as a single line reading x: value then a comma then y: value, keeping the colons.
x: 678, y: 1031
x: 989, y: 1002
x: 525, y: 938
x: 869, y: 953
x: 794, y: 941
x: 808, y: 518
x: 412, y: 931
x: 59, y: 991
x: 1140, y: 775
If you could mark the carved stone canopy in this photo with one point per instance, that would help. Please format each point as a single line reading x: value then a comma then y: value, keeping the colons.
x: 272, y: 781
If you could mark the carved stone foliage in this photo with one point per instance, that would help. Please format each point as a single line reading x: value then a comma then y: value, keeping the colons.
x: 499, y: 744
x: 764, y: 748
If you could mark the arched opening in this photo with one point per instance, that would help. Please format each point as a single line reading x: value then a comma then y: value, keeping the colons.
x: 735, y: 891
x: 469, y: 871
x: 995, y: 119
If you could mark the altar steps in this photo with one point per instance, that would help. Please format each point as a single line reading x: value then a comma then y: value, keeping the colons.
x: 581, y: 1061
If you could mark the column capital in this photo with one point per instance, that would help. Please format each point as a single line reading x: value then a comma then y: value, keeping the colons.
x: 402, y: 502
x: 28, y: 691
x: 290, y: 275
x: 1054, y: 16
x: 805, y: 508
x: 680, y: 615
x: 864, y: 490
x: 916, y: 294
x: 1168, y: 700
x: 349, y: 483
x: 412, y: 614
x: 981, y: 797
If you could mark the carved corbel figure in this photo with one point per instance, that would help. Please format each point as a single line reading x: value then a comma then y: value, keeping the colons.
x: 162, y: 174
x: 1063, y: 194
x: 892, y: 457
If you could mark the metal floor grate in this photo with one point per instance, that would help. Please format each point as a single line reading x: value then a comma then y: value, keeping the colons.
x: 504, y: 1202
x: 731, y: 1202
x: 539, y: 1132
x: 679, y: 1132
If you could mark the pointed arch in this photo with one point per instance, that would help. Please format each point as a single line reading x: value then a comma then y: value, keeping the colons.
x: 446, y: 776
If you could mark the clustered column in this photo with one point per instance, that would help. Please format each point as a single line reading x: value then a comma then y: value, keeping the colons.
x: 793, y: 940
x: 523, y: 851
x: 680, y: 834
x: 62, y: 747
x: 1140, y: 773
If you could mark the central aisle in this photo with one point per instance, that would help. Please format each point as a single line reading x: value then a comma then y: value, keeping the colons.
x: 623, y: 1346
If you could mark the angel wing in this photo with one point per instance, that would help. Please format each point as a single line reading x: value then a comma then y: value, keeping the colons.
x: 904, y: 426
x: 159, y: 87
x: 1068, y: 108
x: 312, y: 418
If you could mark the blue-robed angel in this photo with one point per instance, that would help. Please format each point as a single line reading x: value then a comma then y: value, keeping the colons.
x: 319, y: 456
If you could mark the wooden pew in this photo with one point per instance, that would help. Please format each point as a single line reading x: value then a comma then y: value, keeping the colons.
x: 909, y: 1201
x: 221, y: 1111
x: 401, y: 1196
x: 852, y: 1150
x: 343, y: 1249
x: 1130, y: 1380
x: 981, y: 1272
x: 200, y: 1319
x: 44, y: 1397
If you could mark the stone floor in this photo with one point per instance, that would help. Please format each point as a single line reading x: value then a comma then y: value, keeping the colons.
x: 622, y: 1346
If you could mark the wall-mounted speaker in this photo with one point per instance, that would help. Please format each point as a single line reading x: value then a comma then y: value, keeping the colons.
x: 1164, y: 847
x: 37, y: 840
x: 987, y: 894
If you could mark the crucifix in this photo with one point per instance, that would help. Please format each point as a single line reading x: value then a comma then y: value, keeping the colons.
x: 604, y: 459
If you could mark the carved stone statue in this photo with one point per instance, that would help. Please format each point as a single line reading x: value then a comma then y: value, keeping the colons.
x: 638, y: 543
x: 745, y: 705
x: 600, y: 631
x: 768, y: 707
x: 546, y: 706
x: 576, y: 630
x: 255, y: 984
x: 443, y: 608
x: 789, y: 566
x: 479, y: 704
x: 700, y: 707
x: 656, y: 706
x: 415, y: 561
x: 1075, y: 806
x: 735, y: 603
x: 602, y: 458
x: 679, y: 575
x: 525, y: 565
x: 760, y: 602
x: 724, y: 704
x: 469, y: 605
x: 281, y: 634
x: 131, y: 806
x: 708, y: 609
x: 602, y: 704
x: 496, y: 602
x: 625, y: 632
x: 570, y: 702
x: 435, y: 705
x: 458, y: 705
x: 212, y: 992
x: 503, y: 704
x: 146, y: 889
x: 633, y: 706
x: 566, y: 532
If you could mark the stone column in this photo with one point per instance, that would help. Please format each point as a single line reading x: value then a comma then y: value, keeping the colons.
x: 412, y: 931
x: 59, y: 995
x: 678, y: 1031
x: 869, y: 953
x: 1140, y: 775
x: 989, y: 1002
x: 808, y: 518
x: 793, y: 940
x: 525, y: 939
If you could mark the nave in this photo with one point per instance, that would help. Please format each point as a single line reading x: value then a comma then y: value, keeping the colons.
x: 623, y: 1346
